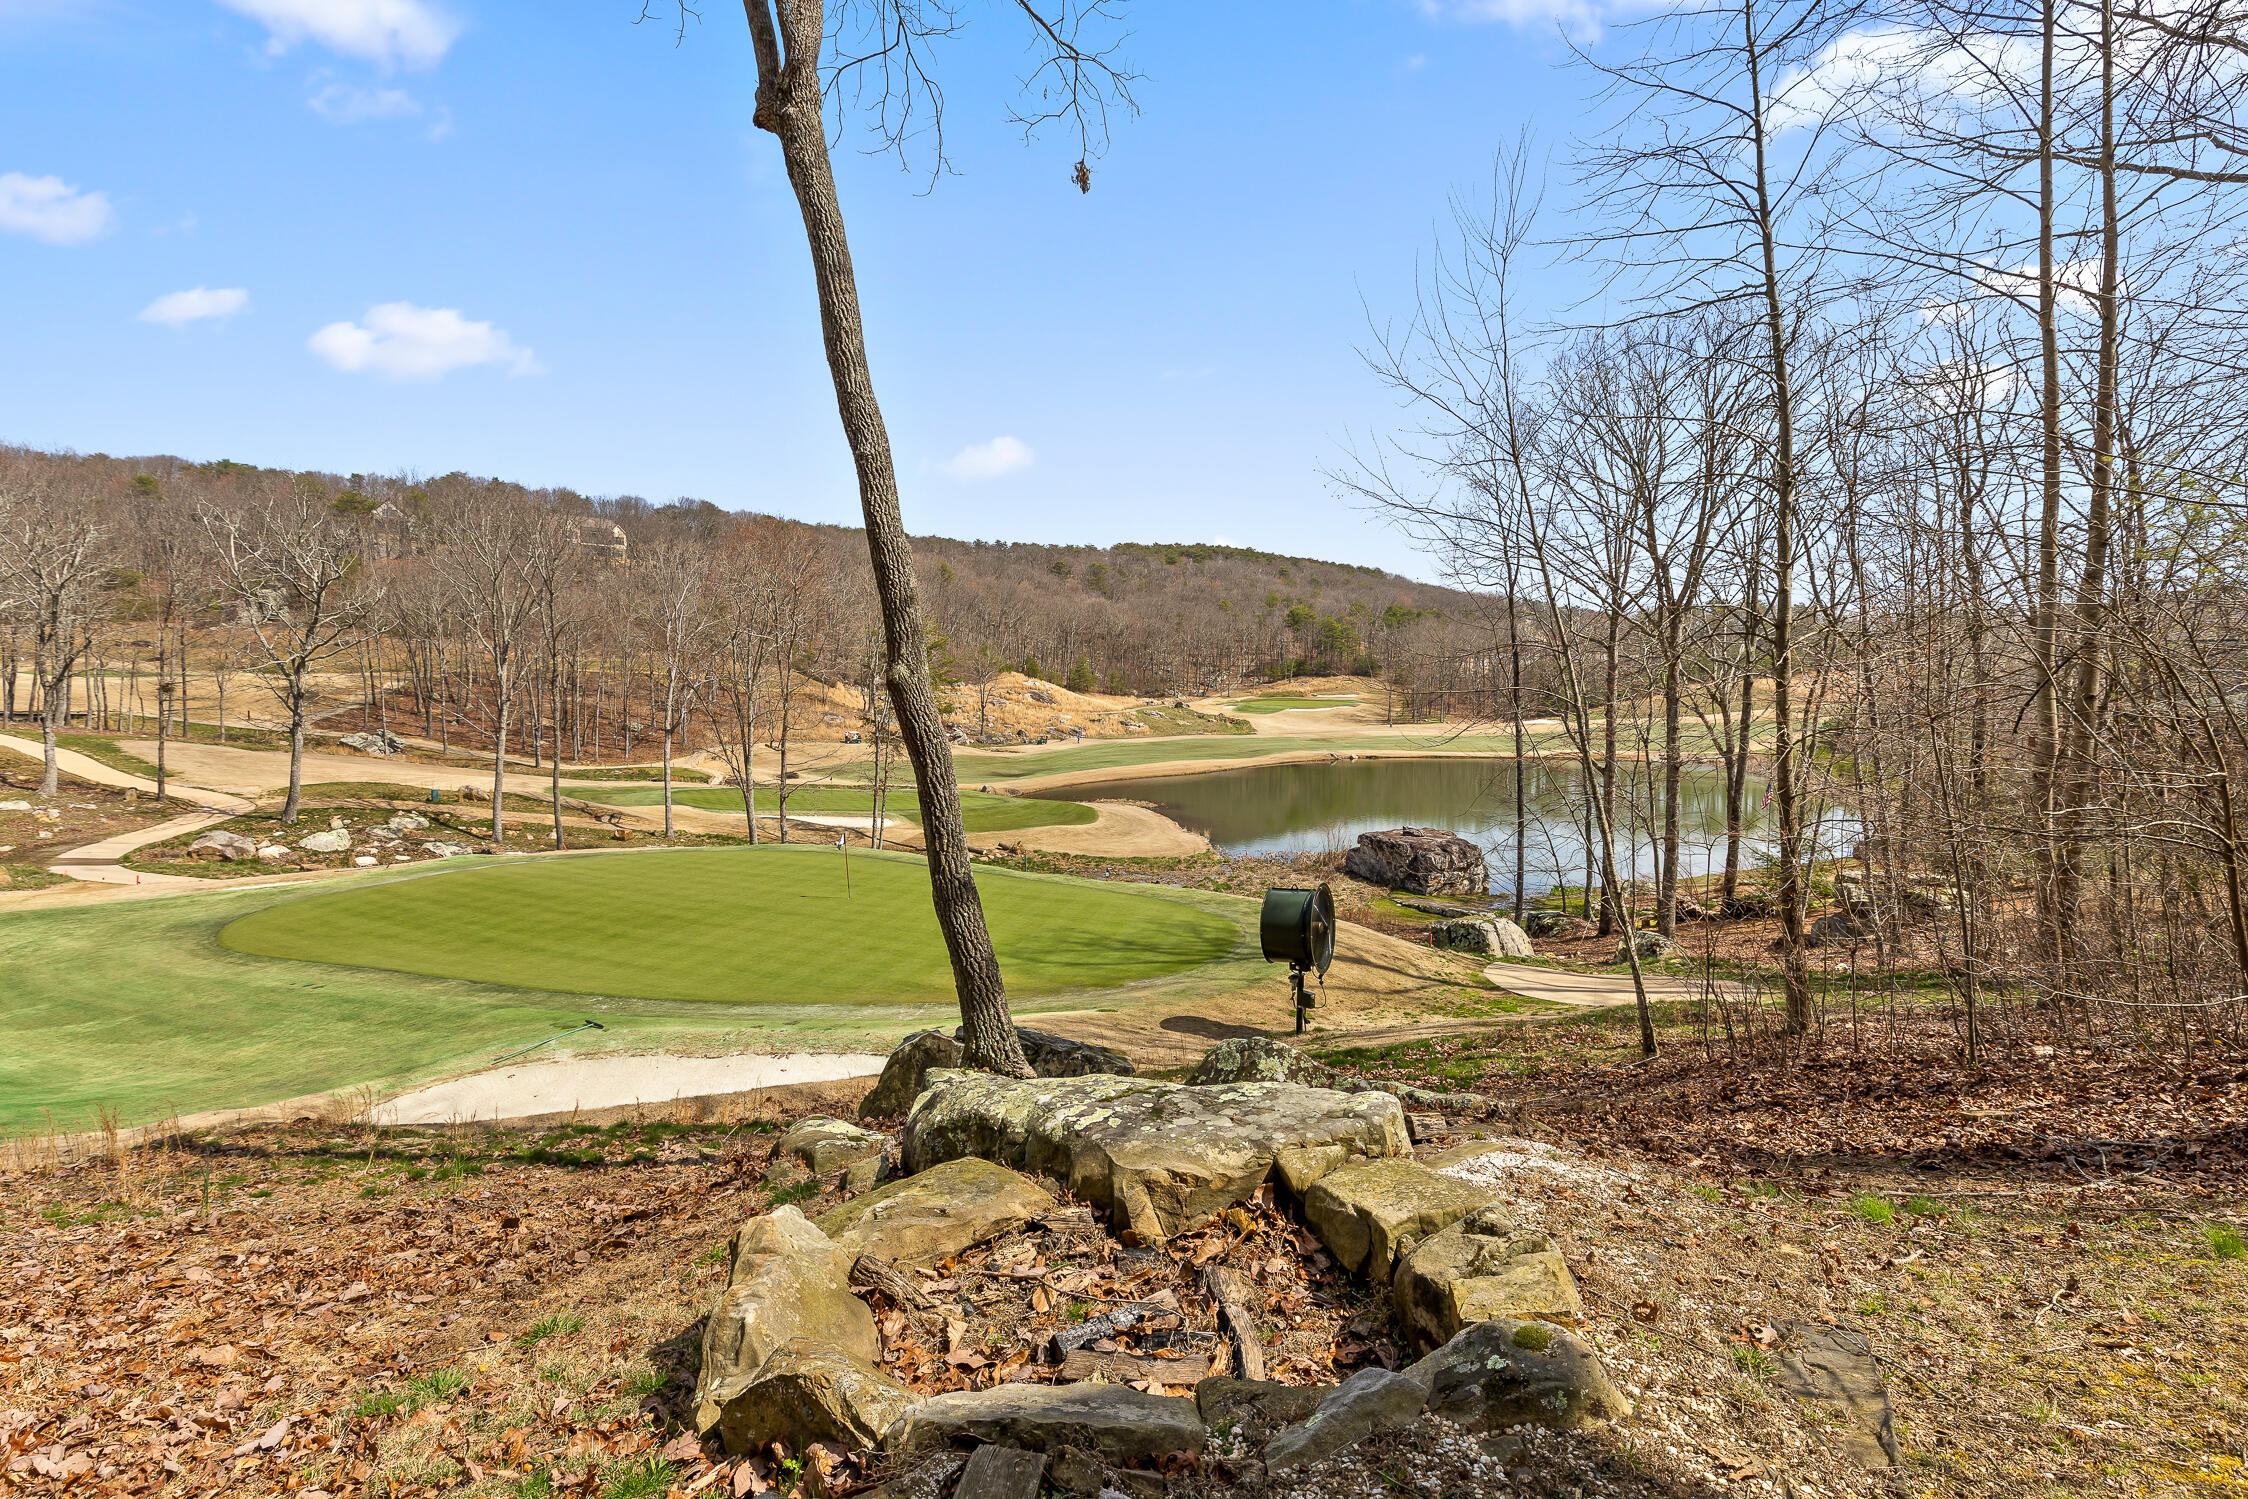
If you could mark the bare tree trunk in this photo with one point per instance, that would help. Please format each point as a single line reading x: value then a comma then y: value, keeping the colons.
x: 296, y: 751
x: 789, y: 105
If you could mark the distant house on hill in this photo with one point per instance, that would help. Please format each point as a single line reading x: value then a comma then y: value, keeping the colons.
x: 602, y: 535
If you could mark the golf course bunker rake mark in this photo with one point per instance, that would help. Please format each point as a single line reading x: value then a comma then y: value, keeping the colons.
x: 1297, y: 927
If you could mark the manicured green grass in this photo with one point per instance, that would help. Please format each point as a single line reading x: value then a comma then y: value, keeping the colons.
x: 769, y: 925
x: 136, y: 1006
x: 984, y: 813
x: 1109, y: 754
x: 1280, y: 704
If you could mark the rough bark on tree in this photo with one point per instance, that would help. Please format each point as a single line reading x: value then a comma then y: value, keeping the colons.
x: 787, y: 42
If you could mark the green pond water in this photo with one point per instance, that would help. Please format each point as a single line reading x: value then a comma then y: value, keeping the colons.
x: 1281, y: 809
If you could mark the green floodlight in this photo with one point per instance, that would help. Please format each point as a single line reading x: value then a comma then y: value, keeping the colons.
x: 1297, y: 927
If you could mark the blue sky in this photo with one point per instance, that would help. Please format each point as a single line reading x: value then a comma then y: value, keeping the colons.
x: 541, y: 242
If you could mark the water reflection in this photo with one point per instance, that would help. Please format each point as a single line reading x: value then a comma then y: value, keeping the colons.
x: 1267, y: 809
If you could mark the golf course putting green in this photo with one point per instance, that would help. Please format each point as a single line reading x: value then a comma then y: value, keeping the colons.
x: 770, y: 925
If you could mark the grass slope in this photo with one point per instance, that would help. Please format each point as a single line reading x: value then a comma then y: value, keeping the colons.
x: 984, y: 813
x: 136, y: 1006
x: 769, y: 925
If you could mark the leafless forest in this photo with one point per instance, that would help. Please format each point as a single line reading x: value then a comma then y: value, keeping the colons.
x: 1902, y: 420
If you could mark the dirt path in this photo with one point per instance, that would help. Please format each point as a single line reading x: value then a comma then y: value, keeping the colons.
x: 1589, y: 990
x: 87, y: 768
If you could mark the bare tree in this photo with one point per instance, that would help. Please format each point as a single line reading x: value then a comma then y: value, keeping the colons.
x: 293, y: 574
x: 51, y: 559
x: 800, y: 65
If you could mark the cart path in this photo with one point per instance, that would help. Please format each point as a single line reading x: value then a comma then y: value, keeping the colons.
x: 102, y: 863
x: 87, y: 768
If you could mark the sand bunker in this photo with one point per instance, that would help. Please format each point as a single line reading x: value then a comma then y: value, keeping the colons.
x: 559, y: 1084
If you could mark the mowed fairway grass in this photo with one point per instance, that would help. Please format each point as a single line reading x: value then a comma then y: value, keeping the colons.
x: 138, y: 1007
x: 983, y: 812
x: 770, y: 925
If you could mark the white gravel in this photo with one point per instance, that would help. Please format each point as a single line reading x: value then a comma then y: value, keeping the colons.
x: 556, y: 1085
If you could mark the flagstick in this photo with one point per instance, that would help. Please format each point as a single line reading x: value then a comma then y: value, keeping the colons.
x: 843, y: 842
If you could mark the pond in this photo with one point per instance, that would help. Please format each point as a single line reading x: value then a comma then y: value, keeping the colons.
x: 1288, y: 809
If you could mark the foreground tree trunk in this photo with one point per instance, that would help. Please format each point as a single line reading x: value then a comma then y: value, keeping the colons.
x: 789, y: 105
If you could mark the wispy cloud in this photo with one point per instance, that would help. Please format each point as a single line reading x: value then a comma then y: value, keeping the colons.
x: 348, y: 104
x: 50, y: 209
x: 989, y: 460
x: 406, y: 342
x: 391, y: 33
x: 178, y: 309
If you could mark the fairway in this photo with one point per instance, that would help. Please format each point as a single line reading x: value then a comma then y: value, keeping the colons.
x: 770, y: 925
x: 983, y: 812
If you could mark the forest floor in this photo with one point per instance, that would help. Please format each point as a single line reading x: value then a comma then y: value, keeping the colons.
x: 326, y: 1307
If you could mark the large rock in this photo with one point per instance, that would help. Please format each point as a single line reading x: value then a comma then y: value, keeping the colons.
x: 1479, y: 1268
x: 333, y: 841
x: 1365, y: 1210
x: 1828, y: 931
x: 1254, y: 1408
x: 1050, y: 1055
x: 821, y: 1144
x: 906, y: 1073
x: 1369, y: 1401
x: 938, y: 1212
x: 373, y: 742
x: 1652, y: 945
x: 1160, y: 1157
x: 1425, y: 861
x: 1503, y: 1373
x: 808, y: 1392
x: 220, y: 844
x: 1513, y: 941
x: 786, y: 1280
x: 1550, y: 924
x: 1114, y: 1421
x: 1260, y: 1059
x: 1491, y: 936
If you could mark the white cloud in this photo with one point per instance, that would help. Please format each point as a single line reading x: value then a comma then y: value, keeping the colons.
x: 50, y: 209
x: 406, y: 342
x: 347, y: 104
x: 178, y: 309
x: 388, y: 32
x: 988, y: 460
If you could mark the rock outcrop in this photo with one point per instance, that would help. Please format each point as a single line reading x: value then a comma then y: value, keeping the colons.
x: 1424, y: 861
x: 821, y: 1144
x: 1369, y: 1401
x: 785, y: 1280
x: 1160, y: 1157
x: 220, y: 844
x: 1651, y: 944
x: 373, y: 742
x: 924, y: 1218
x: 1113, y: 1421
x: 1259, y: 1059
x: 906, y: 1072
x: 1490, y: 936
x: 1364, y: 1211
x: 333, y: 841
x: 1503, y: 1373
x: 1479, y: 1268
x: 808, y: 1392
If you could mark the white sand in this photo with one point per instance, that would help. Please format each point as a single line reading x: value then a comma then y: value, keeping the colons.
x: 558, y: 1084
